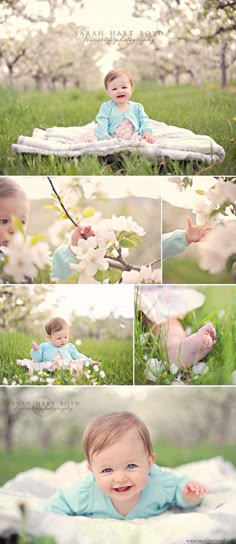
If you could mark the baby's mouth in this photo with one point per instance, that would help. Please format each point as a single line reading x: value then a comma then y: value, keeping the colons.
x: 122, y: 489
x: 121, y: 96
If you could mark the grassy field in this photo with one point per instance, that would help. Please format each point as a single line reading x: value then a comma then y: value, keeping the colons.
x: 115, y: 356
x: 168, y: 455
x: 186, y: 270
x: 205, y: 110
x: 220, y: 309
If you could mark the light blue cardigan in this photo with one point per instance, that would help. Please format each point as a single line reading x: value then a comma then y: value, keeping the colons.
x: 47, y: 352
x: 163, y: 490
x: 110, y: 116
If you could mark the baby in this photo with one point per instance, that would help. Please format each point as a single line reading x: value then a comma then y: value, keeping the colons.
x: 58, y: 334
x: 124, y: 482
x: 119, y: 117
x: 13, y: 203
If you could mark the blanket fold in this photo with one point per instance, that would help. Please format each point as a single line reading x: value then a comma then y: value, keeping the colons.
x: 170, y: 142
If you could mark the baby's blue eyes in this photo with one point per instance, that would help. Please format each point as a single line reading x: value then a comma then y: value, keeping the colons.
x: 129, y: 466
x: 5, y: 221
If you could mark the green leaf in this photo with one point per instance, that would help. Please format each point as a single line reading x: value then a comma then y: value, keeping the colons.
x: 52, y: 207
x: 88, y: 212
x: 127, y: 243
x: 200, y: 192
x: 37, y: 238
x: 18, y: 225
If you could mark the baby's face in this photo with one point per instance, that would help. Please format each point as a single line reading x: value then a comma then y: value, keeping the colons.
x: 120, y: 89
x: 14, y: 206
x: 121, y: 470
x: 60, y: 338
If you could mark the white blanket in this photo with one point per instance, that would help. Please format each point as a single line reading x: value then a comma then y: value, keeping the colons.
x: 172, y: 142
x: 213, y: 521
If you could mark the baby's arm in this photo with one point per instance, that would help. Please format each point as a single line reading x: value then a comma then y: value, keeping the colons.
x: 36, y: 352
x: 64, y: 256
x: 76, y: 354
x: 177, y: 241
x: 145, y: 128
x: 102, y: 122
x: 193, y: 492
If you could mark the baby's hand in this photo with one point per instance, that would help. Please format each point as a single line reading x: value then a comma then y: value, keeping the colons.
x: 35, y: 346
x: 195, y: 233
x: 148, y: 137
x: 81, y: 232
x: 193, y: 492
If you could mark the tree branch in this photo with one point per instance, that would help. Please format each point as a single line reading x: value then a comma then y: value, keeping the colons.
x: 61, y: 203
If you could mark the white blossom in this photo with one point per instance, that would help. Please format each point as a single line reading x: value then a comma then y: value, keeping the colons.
x: 95, y: 368
x: 20, y: 260
x: 123, y: 223
x: 200, y: 368
x: 102, y: 374
x: 145, y: 275
x: 40, y: 254
x: 154, y: 367
x: 202, y: 209
x: 178, y: 181
x: 217, y: 247
x: 105, y: 237
x: 174, y: 368
x: 222, y: 192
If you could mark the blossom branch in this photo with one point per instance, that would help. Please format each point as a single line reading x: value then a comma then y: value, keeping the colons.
x: 61, y: 203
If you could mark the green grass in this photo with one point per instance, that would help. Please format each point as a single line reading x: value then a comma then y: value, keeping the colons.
x: 171, y: 455
x: 115, y: 356
x: 205, y: 110
x: 186, y: 270
x: 221, y: 360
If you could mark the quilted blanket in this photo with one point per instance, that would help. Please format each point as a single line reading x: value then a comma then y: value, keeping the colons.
x: 170, y: 141
x: 213, y: 521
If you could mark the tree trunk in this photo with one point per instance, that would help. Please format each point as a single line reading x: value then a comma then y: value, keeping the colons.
x: 223, y: 65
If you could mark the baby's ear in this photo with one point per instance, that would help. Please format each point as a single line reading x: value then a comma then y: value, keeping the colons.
x: 89, y: 466
x: 151, y: 459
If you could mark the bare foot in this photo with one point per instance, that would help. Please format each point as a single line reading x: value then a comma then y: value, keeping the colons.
x: 192, y: 348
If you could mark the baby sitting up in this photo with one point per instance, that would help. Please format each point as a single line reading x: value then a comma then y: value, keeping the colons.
x: 57, y: 347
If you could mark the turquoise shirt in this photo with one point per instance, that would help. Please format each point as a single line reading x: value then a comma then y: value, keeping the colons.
x: 47, y: 352
x: 110, y: 116
x: 172, y: 244
x: 162, y: 491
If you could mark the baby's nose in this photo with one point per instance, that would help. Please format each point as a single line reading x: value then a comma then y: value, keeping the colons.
x: 10, y: 229
x: 120, y: 477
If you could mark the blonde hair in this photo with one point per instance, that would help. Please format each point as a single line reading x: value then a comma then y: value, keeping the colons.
x: 106, y: 429
x: 113, y: 74
x: 55, y: 324
x: 10, y: 188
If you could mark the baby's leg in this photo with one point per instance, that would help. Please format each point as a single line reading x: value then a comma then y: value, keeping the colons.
x: 184, y: 350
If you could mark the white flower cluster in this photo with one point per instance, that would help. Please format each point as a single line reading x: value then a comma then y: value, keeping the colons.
x: 25, y: 258
x: 91, y: 253
x: 223, y: 192
x: 220, y: 243
x: 145, y: 275
x: 217, y: 247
